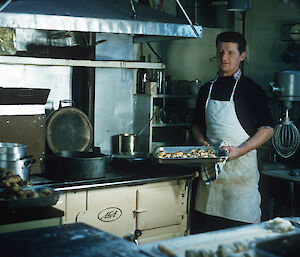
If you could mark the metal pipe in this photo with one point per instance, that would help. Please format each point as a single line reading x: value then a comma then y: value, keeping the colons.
x: 188, y: 18
x: 91, y: 84
x: 133, y: 10
x: 5, y: 4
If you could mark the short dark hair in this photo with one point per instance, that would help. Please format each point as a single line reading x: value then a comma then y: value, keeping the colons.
x: 232, y: 36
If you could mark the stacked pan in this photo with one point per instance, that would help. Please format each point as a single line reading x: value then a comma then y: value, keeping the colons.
x: 13, y: 156
x: 69, y: 137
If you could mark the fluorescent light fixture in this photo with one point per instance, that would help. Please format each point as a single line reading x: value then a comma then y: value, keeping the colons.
x: 238, y: 5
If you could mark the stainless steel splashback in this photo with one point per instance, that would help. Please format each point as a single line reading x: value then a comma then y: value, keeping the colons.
x: 114, y: 102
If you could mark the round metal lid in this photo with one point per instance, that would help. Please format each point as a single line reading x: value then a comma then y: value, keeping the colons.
x: 68, y: 129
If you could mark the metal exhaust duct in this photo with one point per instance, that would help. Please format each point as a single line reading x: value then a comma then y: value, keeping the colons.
x: 117, y: 16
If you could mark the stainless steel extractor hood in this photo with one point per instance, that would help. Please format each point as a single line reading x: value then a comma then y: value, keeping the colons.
x: 108, y: 16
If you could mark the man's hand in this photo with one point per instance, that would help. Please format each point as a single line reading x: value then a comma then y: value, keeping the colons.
x: 234, y: 152
x: 260, y: 137
x: 205, y: 143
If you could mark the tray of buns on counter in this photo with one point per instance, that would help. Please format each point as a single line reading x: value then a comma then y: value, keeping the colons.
x: 189, y: 155
x: 16, y: 193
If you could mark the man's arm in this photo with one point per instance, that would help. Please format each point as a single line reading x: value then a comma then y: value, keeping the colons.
x: 259, y: 138
x: 198, y: 135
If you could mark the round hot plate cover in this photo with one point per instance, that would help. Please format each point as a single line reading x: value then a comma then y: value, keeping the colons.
x: 68, y: 129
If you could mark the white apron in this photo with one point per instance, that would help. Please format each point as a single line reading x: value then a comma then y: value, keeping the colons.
x: 234, y: 195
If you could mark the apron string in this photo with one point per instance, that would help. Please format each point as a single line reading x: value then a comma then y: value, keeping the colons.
x: 233, y: 91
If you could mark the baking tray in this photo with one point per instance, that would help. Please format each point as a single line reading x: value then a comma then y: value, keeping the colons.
x: 43, y: 201
x: 221, y: 155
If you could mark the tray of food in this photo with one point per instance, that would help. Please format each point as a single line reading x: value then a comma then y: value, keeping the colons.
x: 28, y: 196
x: 189, y: 155
x: 16, y: 193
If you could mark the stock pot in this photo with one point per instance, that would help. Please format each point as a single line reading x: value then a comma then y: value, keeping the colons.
x: 76, y: 165
x: 13, y: 156
x: 20, y: 167
x: 126, y: 144
x: 12, y: 151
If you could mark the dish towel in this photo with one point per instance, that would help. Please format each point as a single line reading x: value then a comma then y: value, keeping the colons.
x: 210, y: 171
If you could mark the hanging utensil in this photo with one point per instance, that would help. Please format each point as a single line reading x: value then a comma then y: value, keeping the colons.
x: 148, y: 123
x: 163, y: 113
x: 286, y: 137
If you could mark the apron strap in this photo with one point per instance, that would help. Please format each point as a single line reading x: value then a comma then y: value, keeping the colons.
x: 209, y: 93
x: 233, y: 91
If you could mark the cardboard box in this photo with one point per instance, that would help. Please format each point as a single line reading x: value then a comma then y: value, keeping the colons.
x: 151, y: 88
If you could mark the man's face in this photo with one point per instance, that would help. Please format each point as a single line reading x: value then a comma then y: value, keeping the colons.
x: 229, y: 58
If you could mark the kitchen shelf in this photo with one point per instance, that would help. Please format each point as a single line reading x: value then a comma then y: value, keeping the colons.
x: 173, y: 96
x: 174, y: 133
x: 162, y: 125
x: 79, y: 63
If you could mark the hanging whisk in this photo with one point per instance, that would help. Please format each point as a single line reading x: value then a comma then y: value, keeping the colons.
x: 286, y: 137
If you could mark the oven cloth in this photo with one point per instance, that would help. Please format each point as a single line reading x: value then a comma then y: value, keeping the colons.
x: 210, y: 171
x: 234, y: 195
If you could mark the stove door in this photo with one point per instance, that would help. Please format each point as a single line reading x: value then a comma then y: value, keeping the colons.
x: 161, y: 205
x: 111, y: 210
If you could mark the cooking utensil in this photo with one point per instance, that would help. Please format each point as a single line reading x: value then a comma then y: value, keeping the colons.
x: 75, y: 165
x: 21, y: 167
x: 126, y: 144
x: 286, y: 137
x: 12, y: 151
x: 148, y: 123
x: 68, y: 129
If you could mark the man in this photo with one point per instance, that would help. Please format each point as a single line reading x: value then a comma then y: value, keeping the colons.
x: 232, y: 108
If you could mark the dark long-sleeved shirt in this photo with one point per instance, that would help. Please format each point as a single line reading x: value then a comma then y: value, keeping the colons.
x: 251, y: 103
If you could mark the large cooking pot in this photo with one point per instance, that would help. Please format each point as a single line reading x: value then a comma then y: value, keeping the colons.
x: 21, y: 167
x: 13, y: 156
x: 126, y: 144
x: 12, y: 151
x: 75, y: 165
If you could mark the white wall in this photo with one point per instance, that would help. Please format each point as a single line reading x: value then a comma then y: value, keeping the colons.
x: 188, y: 59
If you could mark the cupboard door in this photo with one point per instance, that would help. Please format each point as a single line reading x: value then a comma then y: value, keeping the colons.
x: 161, y: 204
x: 72, y: 203
x: 111, y: 210
x: 75, y: 204
x: 162, y: 233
